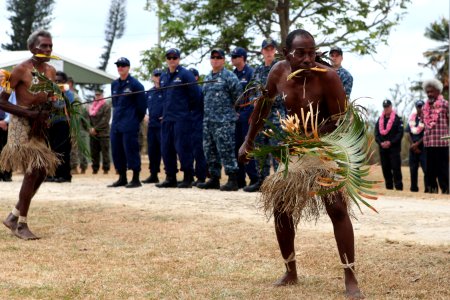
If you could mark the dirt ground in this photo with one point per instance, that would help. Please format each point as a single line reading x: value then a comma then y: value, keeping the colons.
x: 403, y: 216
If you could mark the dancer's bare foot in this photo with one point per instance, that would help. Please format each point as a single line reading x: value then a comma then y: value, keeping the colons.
x: 288, y: 278
x: 24, y: 233
x: 11, y: 222
x: 355, y: 295
x: 352, y: 291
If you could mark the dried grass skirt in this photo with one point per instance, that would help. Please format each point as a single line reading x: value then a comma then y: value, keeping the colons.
x: 296, y: 193
x: 25, y: 153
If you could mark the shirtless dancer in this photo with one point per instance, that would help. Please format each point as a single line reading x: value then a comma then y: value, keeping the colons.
x: 27, y: 148
x: 325, y: 90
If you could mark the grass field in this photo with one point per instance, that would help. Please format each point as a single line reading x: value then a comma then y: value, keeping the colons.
x: 97, y: 249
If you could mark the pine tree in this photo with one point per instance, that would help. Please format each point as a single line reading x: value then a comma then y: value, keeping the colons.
x: 26, y: 17
x: 115, y: 27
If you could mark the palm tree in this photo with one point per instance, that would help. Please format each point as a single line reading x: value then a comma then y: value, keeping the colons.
x: 438, y: 57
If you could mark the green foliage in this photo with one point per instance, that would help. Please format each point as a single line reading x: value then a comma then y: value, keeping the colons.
x: 150, y: 60
x: 27, y: 16
x: 437, y: 58
x: 196, y: 27
x: 115, y: 27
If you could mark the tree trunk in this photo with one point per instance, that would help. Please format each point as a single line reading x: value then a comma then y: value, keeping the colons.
x: 283, y: 17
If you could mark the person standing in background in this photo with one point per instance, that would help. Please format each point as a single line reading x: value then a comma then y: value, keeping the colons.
x: 436, y: 115
x: 59, y: 134
x: 278, y: 110
x: 336, y: 57
x: 388, y: 135
x: 128, y: 112
x: 219, y: 123
x: 176, y: 124
x: 197, y: 113
x: 99, y: 131
x: 417, y: 156
x: 244, y: 73
x: 155, y: 111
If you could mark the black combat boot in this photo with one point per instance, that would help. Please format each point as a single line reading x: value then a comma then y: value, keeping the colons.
x: 212, y: 184
x: 251, y: 188
x: 171, y: 181
x: 153, y: 178
x: 187, y: 181
x: 122, y: 181
x: 242, y: 183
x: 232, y: 184
x: 135, y: 182
x: 198, y: 181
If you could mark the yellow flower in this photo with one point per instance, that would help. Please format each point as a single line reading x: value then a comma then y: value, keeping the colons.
x: 5, y: 84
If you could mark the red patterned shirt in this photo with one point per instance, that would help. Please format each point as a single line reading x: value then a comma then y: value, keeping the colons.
x: 432, y: 136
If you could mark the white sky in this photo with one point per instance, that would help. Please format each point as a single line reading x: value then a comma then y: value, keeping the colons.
x: 78, y: 33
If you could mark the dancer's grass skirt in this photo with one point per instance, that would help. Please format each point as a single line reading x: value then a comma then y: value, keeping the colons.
x: 25, y: 153
x: 296, y: 193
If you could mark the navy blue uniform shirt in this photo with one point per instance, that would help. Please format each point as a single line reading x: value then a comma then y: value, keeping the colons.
x: 155, y: 107
x: 128, y: 110
x: 179, y: 101
x: 244, y: 77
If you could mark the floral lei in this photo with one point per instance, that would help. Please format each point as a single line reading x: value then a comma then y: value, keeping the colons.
x: 431, y: 115
x: 412, y: 124
x: 389, y: 124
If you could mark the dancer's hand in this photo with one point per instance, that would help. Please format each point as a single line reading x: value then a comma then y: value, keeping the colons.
x: 244, y: 151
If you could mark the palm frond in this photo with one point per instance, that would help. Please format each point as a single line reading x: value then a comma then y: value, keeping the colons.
x: 348, y: 146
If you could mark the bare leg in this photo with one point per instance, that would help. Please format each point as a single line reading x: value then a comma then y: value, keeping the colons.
x: 285, y: 230
x: 30, y: 185
x: 343, y: 233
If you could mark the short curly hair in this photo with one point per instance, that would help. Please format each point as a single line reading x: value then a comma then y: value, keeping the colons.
x: 33, y: 38
x: 433, y: 83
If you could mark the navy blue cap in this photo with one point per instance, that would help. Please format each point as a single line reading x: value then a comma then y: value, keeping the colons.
x: 420, y: 103
x: 194, y: 71
x: 173, y: 51
x: 268, y: 42
x: 387, y: 103
x: 220, y: 51
x: 157, y: 72
x: 336, y: 49
x: 238, y: 51
x: 123, y: 61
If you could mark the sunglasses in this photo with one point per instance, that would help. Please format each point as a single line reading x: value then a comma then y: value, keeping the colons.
x: 122, y: 66
x: 216, y: 57
x: 171, y: 58
x: 156, y: 75
x: 235, y: 56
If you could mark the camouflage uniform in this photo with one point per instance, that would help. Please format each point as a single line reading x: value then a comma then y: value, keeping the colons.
x: 346, y: 79
x: 219, y: 121
x: 100, y: 143
x: 260, y: 76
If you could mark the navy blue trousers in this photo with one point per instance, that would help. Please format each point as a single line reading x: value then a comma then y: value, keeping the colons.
x: 60, y: 142
x: 154, y: 149
x: 250, y: 168
x: 201, y: 166
x: 176, y: 139
x: 125, y: 151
